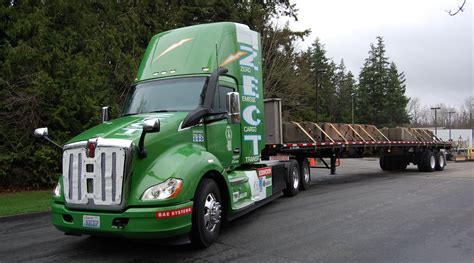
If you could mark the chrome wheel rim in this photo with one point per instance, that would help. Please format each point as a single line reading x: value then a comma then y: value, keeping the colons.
x: 441, y: 161
x: 306, y: 173
x: 432, y: 162
x: 296, y: 178
x: 212, y: 212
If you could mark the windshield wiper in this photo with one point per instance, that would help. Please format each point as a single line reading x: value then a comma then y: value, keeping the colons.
x: 155, y: 111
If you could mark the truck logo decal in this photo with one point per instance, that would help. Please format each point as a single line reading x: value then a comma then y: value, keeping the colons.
x: 174, y: 213
x: 248, y: 60
x: 248, y: 115
x: 198, y: 136
x: 175, y: 45
x: 233, y: 57
x: 228, y: 136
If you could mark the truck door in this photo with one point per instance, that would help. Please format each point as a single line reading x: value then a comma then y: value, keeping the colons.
x: 223, y: 138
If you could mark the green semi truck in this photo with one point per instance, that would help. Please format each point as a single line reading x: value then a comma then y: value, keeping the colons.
x: 195, y: 145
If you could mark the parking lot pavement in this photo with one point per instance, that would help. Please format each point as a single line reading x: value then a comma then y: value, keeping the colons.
x: 359, y: 215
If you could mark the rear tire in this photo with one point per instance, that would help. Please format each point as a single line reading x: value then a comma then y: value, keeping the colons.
x: 384, y: 163
x: 207, y: 211
x: 293, y: 179
x: 428, y: 161
x: 305, y: 174
x: 440, y: 161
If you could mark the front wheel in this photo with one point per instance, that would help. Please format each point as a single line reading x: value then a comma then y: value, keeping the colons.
x: 207, y: 210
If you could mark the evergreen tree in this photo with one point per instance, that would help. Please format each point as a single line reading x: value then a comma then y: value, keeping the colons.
x: 322, y: 73
x: 395, y: 109
x: 381, y: 96
x: 60, y: 61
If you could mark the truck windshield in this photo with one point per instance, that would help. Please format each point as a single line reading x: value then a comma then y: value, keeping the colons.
x: 179, y: 94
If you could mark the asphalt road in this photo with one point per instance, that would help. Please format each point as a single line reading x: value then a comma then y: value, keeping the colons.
x: 360, y: 215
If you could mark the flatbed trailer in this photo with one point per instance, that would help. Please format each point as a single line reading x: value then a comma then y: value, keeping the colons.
x: 394, y: 154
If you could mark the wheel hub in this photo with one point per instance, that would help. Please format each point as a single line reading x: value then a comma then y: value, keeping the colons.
x: 306, y: 174
x: 432, y: 162
x: 212, y: 212
x: 296, y: 178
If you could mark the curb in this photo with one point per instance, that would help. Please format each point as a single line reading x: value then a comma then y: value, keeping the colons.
x: 23, y: 216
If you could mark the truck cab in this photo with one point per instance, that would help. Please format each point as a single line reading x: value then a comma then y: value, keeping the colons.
x: 185, y: 152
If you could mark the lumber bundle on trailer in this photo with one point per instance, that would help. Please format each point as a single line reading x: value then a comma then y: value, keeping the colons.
x: 309, y: 132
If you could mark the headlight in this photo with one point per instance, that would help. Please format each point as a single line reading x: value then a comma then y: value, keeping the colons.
x: 167, y: 189
x: 57, y: 190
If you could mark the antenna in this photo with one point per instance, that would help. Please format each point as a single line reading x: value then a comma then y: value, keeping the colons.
x: 217, y: 58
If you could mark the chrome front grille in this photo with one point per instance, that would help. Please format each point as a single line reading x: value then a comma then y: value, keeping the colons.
x: 99, y: 180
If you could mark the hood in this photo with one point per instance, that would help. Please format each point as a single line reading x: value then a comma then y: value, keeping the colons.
x: 130, y: 127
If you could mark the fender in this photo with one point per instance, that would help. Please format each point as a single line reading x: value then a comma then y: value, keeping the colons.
x: 189, y: 162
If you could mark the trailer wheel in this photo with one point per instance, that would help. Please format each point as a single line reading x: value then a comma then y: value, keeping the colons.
x: 428, y: 161
x: 206, y: 219
x: 293, y: 179
x: 384, y: 163
x: 305, y: 174
x: 440, y: 161
x: 419, y: 161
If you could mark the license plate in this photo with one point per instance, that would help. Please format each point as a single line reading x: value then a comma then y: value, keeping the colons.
x: 91, y: 221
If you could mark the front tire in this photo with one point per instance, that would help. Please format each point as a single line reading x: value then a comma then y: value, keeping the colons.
x: 207, y: 211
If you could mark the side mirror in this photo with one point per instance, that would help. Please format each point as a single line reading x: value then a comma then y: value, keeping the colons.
x: 149, y: 126
x: 41, y: 132
x: 194, y: 117
x: 233, y: 107
x: 105, y: 114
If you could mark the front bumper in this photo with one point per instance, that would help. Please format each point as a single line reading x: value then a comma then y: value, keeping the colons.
x: 142, y: 222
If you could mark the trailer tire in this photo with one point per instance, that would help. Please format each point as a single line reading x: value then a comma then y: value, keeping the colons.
x: 428, y: 161
x: 293, y: 179
x: 419, y: 161
x: 440, y: 161
x: 207, y: 211
x: 384, y: 163
x: 305, y: 174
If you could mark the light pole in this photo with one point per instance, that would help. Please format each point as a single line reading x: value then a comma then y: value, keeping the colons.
x: 436, y: 115
x: 352, y: 99
x: 450, y: 122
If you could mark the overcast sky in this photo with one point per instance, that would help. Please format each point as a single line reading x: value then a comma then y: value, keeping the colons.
x: 434, y: 50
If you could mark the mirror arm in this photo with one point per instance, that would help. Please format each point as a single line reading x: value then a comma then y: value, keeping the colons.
x: 51, y: 141
x: 141, y: 149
